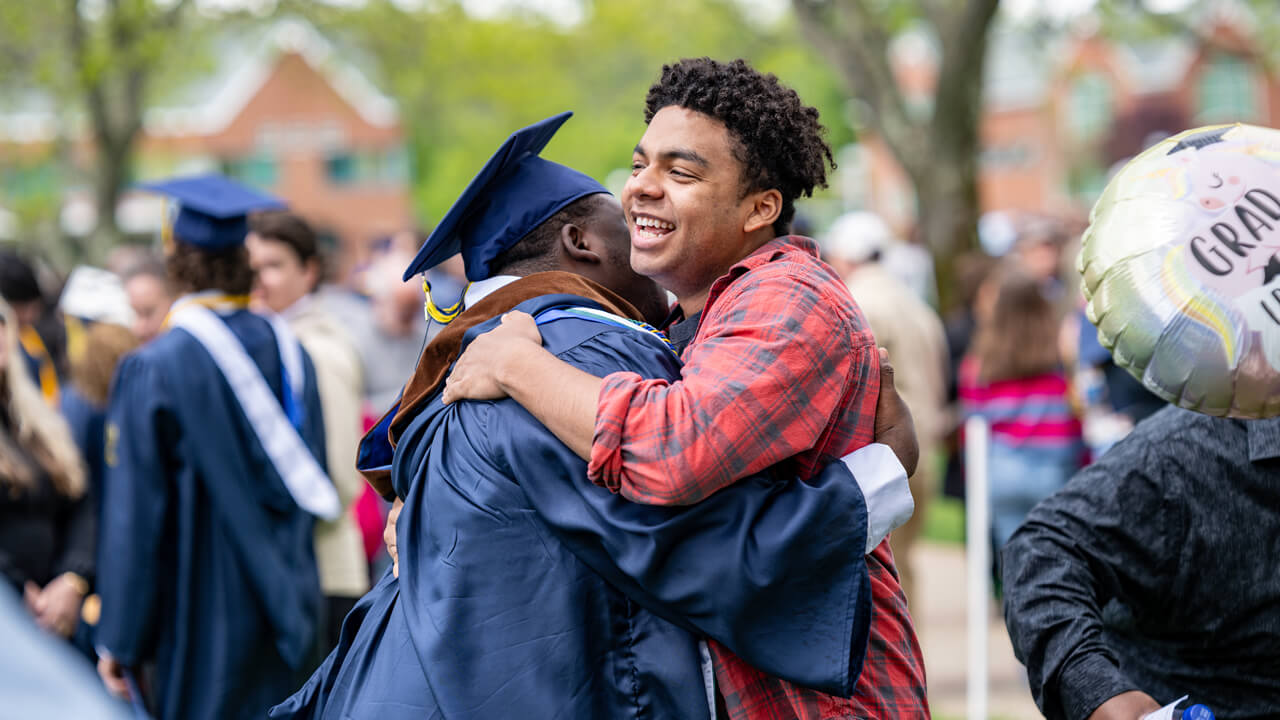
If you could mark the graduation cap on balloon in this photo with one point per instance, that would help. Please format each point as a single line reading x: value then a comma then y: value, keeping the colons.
x: 514, y: 193
x: 211, y: 211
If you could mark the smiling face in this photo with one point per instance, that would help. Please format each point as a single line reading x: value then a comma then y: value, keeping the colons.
x: 685, y: 208
x: 607, y: 230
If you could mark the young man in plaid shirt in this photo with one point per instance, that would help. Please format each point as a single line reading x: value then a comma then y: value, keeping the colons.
x: 780, y: 365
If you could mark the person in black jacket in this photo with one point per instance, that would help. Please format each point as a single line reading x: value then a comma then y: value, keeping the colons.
x: 47, y: 524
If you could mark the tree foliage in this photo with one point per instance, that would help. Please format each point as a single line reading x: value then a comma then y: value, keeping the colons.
x: 464, y: 84
x: 938, y: 147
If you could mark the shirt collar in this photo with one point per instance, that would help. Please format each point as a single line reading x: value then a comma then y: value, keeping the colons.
x: 480, y: 289
x: 773, y: 250
x: 1264, y: 439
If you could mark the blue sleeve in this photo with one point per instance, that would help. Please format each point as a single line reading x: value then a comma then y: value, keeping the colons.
x: 723, y: 567
x: 134, y: 509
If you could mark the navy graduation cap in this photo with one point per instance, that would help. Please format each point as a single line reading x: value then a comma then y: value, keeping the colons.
x: 514, y: 193
x: 212, y: 209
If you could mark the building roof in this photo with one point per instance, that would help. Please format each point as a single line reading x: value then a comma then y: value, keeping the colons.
x: 208, y: 104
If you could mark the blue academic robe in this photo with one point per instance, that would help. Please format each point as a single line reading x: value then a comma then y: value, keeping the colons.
x: 206, y: 564
x: 526, y: 591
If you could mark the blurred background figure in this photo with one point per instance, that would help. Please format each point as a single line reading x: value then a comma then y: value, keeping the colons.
x: 1014, y: 377
x: 47, y: 523
x: 392, y: 342
x: 855, y: 247
x: 215, y: 456
x: 150, y: 296
x: 287, y: 269
x: 41, y: 341
x: 971, y: 271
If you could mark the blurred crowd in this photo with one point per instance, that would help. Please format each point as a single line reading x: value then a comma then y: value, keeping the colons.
x: 65, y: 333
x: 1014, y: 348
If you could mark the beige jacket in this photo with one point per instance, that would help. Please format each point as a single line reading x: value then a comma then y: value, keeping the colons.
x: 917, y: 345
x: 339, y: 549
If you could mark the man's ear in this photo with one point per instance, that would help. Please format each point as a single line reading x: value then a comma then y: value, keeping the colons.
x: 764, y: 209
x: 579, y: 245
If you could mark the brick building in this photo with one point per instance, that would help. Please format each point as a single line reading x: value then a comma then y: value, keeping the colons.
x: 282, y: 111
x: 1059, y: 114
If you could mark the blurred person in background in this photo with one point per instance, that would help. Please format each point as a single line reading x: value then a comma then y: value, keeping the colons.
x: 84, y: 407
x: 912, y: 333
x: 41, y: 344
x: 150, y: 296
x: 392, y: 343
x: 47, y: 524
x: 287, y: 269
x: 1013, y: 377
x: 970, y: 272
x: 1038, y: 249
x: 215, y: 474
x: 1154, y: 574
x: 912, y: 263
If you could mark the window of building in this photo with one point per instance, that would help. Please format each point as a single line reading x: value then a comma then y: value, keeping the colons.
x: 1090, y: 105
x: 378, y: 167
x: 259, y: 170
x: 1227, y: 91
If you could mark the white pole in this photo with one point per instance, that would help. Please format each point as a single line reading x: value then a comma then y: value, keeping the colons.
x: 977, y: 438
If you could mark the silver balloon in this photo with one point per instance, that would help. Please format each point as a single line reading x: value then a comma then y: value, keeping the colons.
x: 1181, y: 266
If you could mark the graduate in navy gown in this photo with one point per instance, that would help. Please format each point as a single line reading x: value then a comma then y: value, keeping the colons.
x: 214, y: 448
x: 523, y: 590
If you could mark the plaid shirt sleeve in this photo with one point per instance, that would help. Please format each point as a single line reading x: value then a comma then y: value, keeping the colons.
x: 770, y: 368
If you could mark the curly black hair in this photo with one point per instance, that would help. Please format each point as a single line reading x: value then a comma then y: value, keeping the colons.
x: 777, y: 138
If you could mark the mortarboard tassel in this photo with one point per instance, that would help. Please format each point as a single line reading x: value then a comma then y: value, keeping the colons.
x: 444, y: 316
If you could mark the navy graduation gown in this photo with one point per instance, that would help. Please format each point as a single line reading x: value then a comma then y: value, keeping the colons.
x: 511, y: 562
x: 206, y: 564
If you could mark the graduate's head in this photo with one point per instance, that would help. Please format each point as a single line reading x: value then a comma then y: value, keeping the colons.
x: 205, y: 232
x: 588, y: 237
x: 285, y: 258
x: 727, y: 153
x: 523, y: 214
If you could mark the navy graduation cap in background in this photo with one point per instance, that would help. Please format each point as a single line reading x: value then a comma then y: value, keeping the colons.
x: 212, y: 209
x: 514, y: 193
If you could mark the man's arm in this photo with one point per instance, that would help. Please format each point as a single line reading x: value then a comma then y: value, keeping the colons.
x: 755, y: 391
x: 1108, y: 534
x: 775, y: 543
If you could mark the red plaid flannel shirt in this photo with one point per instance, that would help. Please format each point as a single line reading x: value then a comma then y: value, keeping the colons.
x: 783, y: 368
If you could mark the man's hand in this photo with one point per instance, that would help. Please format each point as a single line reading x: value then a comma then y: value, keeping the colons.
x: 389, y: 535
x: 477, y: 373
x: 58, y: 606
x: 894, y: 426
x: 113, y: 676
x: 1131, y: 705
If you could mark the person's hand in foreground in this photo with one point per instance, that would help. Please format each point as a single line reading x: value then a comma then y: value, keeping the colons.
x: 894, y: 426
x: 477, y: 373
x: 113, y: 676
x: 56, y: 607
x: 389, y: 535
x: 1131, y: 705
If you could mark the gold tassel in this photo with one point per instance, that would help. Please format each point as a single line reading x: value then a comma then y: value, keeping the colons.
x: 444, y: 316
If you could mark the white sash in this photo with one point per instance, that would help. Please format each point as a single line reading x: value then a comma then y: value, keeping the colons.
x: 302, y: 475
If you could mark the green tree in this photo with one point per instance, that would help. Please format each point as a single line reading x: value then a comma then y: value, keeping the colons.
x: 938, y: 145
x: 464, y: 84
x: 100, y: 62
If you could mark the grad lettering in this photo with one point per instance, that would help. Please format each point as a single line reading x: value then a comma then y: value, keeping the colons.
x: 1256, y: 216
x: 1245, y: 215
x: 1271, y: 206
x: 1205, y: 263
